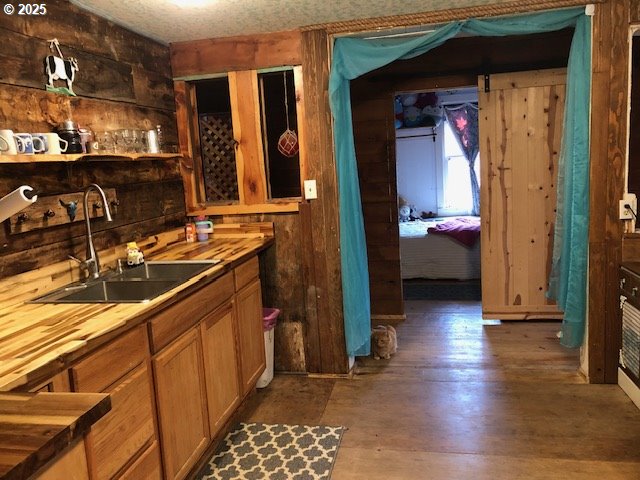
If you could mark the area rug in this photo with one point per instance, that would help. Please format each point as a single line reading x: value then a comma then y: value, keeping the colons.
x: 254, y: 451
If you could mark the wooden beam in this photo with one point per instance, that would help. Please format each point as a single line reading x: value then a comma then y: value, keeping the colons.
x: 249, y: 52
x: 324, y: 212
x: 616, y: 180
x: 608, y: 153
x: 287, y: 207
x: 245, y: 115
x: 435, y: 17
x: 188, y: 165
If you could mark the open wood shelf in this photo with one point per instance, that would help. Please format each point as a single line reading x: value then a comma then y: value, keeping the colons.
x: 40, y: 158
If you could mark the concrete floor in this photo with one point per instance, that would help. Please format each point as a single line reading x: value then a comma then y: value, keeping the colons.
x: 466, y: 399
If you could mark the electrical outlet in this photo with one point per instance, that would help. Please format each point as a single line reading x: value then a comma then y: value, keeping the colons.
x: 624, y: 213
x: 628, y: 213
x: 310, y: 190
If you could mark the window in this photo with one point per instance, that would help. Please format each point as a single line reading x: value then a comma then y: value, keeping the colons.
x: 456, y: 183
x: 231, y: 127
x: 432, y: 170
x: 278, y: 114
x: 217, y: 146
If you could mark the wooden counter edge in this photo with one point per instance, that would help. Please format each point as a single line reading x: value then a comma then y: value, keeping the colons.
x: 77, y: 412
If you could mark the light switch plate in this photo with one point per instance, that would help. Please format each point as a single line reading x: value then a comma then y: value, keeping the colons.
x: 310, y: 190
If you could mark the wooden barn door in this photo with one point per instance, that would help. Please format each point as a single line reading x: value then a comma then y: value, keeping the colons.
x: 520, y: 131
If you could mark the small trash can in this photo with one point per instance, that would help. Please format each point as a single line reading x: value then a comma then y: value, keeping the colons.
x: 269, y: 318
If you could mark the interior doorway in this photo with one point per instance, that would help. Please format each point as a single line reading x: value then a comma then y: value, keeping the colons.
x: 455, y: 64
x: 439, y: 226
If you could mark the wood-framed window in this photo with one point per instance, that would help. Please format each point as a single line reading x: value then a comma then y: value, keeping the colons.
x: 229, y: 125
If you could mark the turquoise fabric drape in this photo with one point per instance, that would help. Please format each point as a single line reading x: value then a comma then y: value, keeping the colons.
x: 354, y: 57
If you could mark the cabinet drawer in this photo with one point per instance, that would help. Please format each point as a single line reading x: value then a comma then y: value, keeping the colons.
x: 246, y: 272
x: 111, y: 362
x: 147, y: 467
x: 118, y: 437
x: 172, y: 322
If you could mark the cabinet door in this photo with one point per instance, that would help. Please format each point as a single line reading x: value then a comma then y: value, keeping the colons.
x: 182, y: 410
x: 250, y: 335
x: 220, y: 366
x: 123, y: 433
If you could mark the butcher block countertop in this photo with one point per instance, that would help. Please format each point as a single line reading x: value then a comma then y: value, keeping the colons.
x: 39, y: 340
x: 36, y: 427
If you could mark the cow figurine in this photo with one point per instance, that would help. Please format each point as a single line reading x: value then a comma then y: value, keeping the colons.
x: 60, y: 69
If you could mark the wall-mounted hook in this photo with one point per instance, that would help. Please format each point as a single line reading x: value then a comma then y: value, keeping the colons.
x: 114, y: 205
x: 97, y: 205
x: 72, y: 208
x: 49, y: 214
x: 23, y: 217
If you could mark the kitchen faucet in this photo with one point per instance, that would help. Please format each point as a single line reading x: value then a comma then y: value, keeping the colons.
x: 92, y: 263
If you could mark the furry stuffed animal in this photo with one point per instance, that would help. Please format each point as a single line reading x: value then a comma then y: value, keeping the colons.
x: 384, y: 342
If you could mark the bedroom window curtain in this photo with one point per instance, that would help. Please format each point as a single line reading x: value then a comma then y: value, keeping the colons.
x: 464, y: 125
x: 353, y: 57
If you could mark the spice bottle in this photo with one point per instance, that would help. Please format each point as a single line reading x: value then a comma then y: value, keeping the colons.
x: 190, y: 233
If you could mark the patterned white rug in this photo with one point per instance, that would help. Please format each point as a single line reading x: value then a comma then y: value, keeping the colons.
x: 255, y: 451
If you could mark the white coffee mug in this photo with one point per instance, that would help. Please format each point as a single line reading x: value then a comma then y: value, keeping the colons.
x: 8, y: 142
x: 55, y: 144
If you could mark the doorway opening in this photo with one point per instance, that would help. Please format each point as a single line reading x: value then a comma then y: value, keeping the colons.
x: 439, y: 229
x: 457, y: 64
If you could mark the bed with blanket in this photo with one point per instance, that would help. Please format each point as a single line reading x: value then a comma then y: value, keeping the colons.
x: 441, y: 248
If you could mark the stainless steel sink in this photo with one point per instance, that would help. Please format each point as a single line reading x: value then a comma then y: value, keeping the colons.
x: 169, y: 270
x: 135, y: 285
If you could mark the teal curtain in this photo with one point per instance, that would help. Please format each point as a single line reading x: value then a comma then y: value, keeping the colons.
x: 353, y: 57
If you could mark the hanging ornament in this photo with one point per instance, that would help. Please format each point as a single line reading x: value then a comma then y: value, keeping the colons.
x: 288, y: 141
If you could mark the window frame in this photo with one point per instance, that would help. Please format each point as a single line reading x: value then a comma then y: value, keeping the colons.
x: 250, y: 161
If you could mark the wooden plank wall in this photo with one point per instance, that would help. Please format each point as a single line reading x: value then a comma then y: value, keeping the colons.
x: 374, y: 137
x: 301, y: 274
x: 124, y: 81
x: 215, y: 55
x: 283, y: 288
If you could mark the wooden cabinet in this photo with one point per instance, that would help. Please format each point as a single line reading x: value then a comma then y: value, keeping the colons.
x: 72, y: 465
x: 120, y: 368
x: 123, y: 434
x: 171, y: 322
x: 220, y: 366
x: 250, y: 335
x: 182, y: 410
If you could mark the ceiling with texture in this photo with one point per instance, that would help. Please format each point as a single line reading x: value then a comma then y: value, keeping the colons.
x: 179, y: 20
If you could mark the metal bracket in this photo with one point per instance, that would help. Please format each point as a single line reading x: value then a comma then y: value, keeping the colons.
x: 487, y: 83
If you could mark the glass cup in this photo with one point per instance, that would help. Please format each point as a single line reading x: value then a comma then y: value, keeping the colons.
x: 105, y: 142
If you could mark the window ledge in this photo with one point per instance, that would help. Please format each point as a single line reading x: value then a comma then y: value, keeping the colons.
x: 280, y: 207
